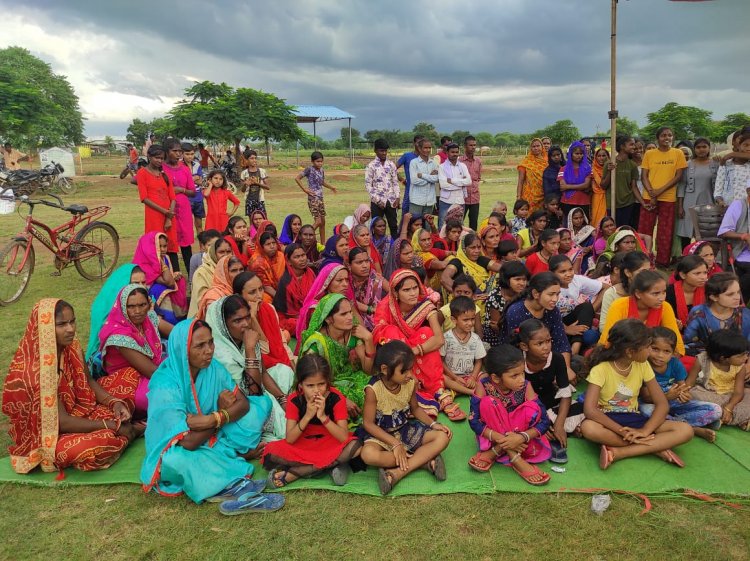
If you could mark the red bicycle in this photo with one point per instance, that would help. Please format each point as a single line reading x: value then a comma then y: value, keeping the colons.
x: 92, y: 246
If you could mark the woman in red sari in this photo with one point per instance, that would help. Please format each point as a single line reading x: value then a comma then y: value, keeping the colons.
x: 293, y: 286
x: 359, y: 236
x: 59, y: 416
x: 268, y: 263
x: 408, y: 315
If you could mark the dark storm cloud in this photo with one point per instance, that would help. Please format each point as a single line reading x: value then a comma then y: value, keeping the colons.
x: 510, y: 65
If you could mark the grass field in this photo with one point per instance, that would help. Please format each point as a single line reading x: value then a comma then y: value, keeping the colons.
x: 122, y: 523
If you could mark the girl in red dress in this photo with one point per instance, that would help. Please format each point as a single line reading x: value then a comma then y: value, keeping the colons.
x: 217, y: 197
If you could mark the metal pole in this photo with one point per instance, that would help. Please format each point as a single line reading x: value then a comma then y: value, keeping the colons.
x: 315, y: 137
x: 613, y: 105
x: 351, y: 154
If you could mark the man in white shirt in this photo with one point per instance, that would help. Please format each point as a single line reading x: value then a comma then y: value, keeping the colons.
x: 423, y: 175
x: 453, y: 177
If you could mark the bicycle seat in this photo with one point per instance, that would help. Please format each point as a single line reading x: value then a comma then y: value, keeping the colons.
x: 76, y: 209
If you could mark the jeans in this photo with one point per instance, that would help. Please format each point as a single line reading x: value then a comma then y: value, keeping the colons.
x: 694, y: 413
x: 420, y: 210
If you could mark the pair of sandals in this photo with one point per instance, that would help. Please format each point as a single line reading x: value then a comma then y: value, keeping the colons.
x: 534, y: 476
x: 607, y: 457
x: 454, y: 412
x: 435, y: 466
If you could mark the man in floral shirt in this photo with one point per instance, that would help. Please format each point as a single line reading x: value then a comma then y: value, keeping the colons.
x: 381, y: 182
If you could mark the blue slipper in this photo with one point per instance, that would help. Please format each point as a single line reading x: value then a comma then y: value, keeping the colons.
x: 259, y: 503
x: 244, y: 488
x: 559, y: 454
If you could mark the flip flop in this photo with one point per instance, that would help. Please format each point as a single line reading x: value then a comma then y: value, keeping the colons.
x: 277, y: 482
x: 527, y: 475
x: 478, y: 463
x: 670, y: 457
x: 454, y: 412
x: 606, y: 457
x: 436, y: 467
x: 385, y: 483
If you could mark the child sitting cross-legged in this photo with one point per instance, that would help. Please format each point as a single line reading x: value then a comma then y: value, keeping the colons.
x: 317, y: 437
x: 619, y: 370
x: 671, y: 376
x: 721, y: 373
x: 398, y: 435
x: 463, y: 350
x: 509, y: 420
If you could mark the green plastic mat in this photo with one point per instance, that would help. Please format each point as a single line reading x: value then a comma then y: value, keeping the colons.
x: 722, y: 468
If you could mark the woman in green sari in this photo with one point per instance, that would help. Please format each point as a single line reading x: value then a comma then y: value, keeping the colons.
x: 347, y: 347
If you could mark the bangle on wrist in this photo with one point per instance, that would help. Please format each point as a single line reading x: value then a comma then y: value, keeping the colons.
x: 326, y: 420
x: 104, y: 422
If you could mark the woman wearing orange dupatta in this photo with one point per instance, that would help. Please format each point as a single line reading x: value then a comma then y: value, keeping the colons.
x: 599, y: 193
x: 407, y: 315
x: 226, y: 269
x: 359, y: 236
x: 530, y: 172
x: 59, y: 416
x: 268, y: 263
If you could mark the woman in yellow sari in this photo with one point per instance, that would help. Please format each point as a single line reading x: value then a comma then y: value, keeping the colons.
x: 599, y: 193
x: 422, y: 243
x: 530, y: 171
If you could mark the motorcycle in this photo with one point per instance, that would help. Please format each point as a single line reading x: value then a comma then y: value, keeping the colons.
x: 27, y: 181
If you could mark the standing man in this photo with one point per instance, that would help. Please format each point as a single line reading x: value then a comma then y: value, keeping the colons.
x: 13, y: 157
x: 205, y: 156
x: 405, y: 160
x: 453, y: 177
x: 471, y: 193
x: 424, y: 176
x: 381, y: 182
x: 443, y: 152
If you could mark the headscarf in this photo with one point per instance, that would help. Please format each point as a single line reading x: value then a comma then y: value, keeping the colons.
x: 252, y: 230
x: 360, y: 212
x: 425, y: 256
x: 337, y: 229
x: 202, y: 279
x: 388, y: 312
x: 472, y: 268
x: 534, y: 167
x: 585, y: 231
x: 329, y: 255
x: 286, y: 237
x: 483, y: 231
x: 227, y: 351
x: 322, y: 311
x: 454, y: 212
x: 119, y: 331
x: 394, y: 258
x: 220, y: 286
x: 569, y: 173
x: 613, y: 240
x: 103, y: 304
x: 374, y: 255
x: 317, y: 291
x: 147, y: 256
x: 368, y: 293
x: 382, y: 244
x: 597, y: 171
x: 292, y: 289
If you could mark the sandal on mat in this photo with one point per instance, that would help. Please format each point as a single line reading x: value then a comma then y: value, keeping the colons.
x: 478, y: 463
x: 606, y: 457
x: 454, y: 412
x: 436, y: 467
x: 277, y: 482
x: 385, y: 482
x: 670, y: 457
x: 527, y: 475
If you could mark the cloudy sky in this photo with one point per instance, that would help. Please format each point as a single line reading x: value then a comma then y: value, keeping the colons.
x: 514, y: 65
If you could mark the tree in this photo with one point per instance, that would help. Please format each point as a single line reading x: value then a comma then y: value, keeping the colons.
x: 625, y: 126
x: 506, y: 139
x: 427, y: 130
x: 458, y: 136
x: 685, y: 121
x: 393, y: 136
x: 137, y: 132
x: 729, y: 124
x: 561, y: 132
x: 356, y: 136
x: 37, y: 107
x: 485, y: 139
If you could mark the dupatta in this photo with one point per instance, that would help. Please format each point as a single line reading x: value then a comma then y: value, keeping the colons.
x: 382, y: 244
x: 388, y: 312
x: 425, y: 256
x: 329, y: 254
x: 575, y: 249
x: 202, y: 279
x: 653, y: 319
x: 372, y: 250
x: 148, y: 257
x: 220, y: 286
x: 286, y: 237
x: 472, y: 268
x: 584, y: 168
x: 317, y: 291
x: 119, y: 331
x: 699, y: 297
x: 586, y: 230
x: 103, y: 304
x: 292, y: 290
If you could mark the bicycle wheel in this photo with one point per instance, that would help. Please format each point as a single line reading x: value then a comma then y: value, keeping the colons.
x: 95, y: 251
x: 65, y: 185
x: 14, y: 272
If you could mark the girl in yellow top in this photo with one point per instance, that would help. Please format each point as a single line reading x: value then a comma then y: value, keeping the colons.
x: 721, y: 373
x: 661, y: 170
x: 647, y: 303
x: 620, y: 369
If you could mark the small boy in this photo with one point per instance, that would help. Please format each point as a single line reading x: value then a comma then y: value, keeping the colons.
x: 507, y: 250
x: 463, y: 285
x: 316, y: 180
x: 463, y: 350
x: 206, y: 239
x: 196, y: 203
x: 672, y: 378
x: 520, y: 213
x: 132, y: 166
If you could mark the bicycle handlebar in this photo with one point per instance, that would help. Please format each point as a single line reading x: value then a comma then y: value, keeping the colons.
x: 31, y: 202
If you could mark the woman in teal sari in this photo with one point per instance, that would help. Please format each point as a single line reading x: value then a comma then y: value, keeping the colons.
x: 130, y: 273
x: 200, y: 426
x: 237, y: 346
x: 347, y: 347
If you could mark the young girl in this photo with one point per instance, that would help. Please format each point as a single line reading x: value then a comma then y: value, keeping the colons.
x: 721, y: 373
x: 647, y: 304
x: 671, y: 376
x: 520, y: 213
x: 317, y: 437
x: 572, y: 251
x: 688, y: 290
x: 598, y: 192
x: 547, y: 246
x: 705, y: 251
x: 236, y: 235
x: 529, y: 237
x: 509, y: 420
x: 548, y: 376
x: 399, y: 437
x: 511, y: 282
x: 217, y: 196
x: 575, y: 180
x: 624, y: 267
x: 551, y: 206
x: 555, y: 161
x: 619, y: 371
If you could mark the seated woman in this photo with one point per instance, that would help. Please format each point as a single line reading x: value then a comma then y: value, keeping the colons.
x: 130, y: 346
x: 402, y: 256
x: 722, y: 309
x: 434, y: 260
x: 380, y: 237
x: 166, y: 287
x: 575, y: 253
x: 332, y: 279
x: 624, y: 267
x: 204, y: 275
x: 237, y: 237
x: 268, y: 263
x: 294, y: 285
x: 605, y: 229
x: 583, y: 232
x: 59, y: 416
x: 221, y: 285
x: 310, y: 244
x: 360, y: 237
x: 367, y: 286
x: 361, y: 216
x: 202, y: 426
x: 335, y: 252
x: 705, y: 251
x: 501, y: 223
x: 408, y: 315
x: 688, y: 291
x: 622, y: 241
x: 237, y: 347
x: 346, y: 346
x: 547, y: 246
x: 489, y: 238
x: 470, y: 261
x: 126, y: 274
x: 290, y: 229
